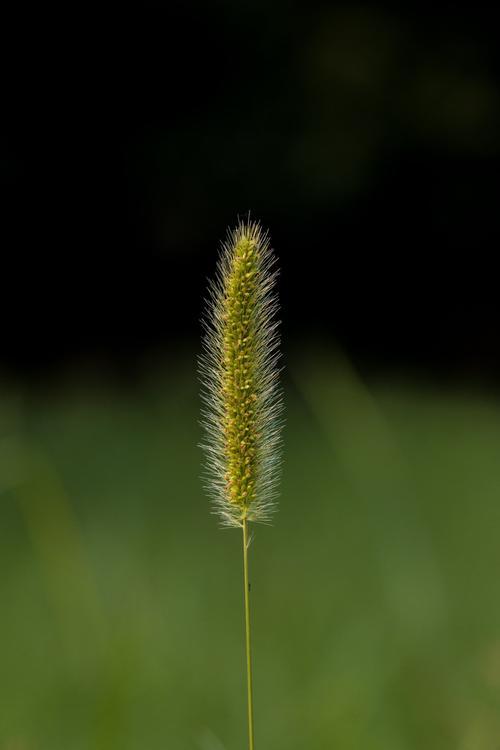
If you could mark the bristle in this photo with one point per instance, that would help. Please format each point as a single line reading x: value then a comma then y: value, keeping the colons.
x: 240, y: 387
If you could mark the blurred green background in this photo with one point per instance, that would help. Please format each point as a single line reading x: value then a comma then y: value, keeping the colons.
x: 375, y: 593
x: 366, y: 137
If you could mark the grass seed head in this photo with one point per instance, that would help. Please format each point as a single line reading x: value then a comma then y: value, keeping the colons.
x: 240, y: 387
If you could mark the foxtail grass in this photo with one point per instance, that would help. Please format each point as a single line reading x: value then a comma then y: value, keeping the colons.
x: 241, y: 395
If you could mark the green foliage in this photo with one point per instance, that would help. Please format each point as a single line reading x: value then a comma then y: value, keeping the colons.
x: 121, y: 602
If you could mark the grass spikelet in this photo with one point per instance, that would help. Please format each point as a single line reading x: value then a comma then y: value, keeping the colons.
x: 241, y: 394
x: 239, y: 369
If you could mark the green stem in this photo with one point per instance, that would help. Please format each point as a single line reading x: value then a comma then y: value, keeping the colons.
x: 247, y: 634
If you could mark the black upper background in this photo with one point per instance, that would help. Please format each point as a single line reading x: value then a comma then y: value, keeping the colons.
x: 366, y: 137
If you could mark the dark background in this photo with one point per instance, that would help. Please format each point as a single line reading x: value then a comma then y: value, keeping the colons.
x: 365, y: 137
